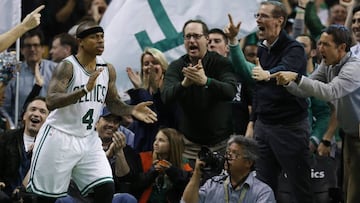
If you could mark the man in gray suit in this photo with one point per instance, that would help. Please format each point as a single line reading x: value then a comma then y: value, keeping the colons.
x: 337, y: 80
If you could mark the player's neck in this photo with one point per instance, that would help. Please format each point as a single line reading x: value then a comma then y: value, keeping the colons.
x: 88, y: 62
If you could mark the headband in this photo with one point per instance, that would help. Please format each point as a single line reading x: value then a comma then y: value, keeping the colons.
x: 89, y: 31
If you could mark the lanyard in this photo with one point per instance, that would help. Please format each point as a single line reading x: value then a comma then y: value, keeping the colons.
x: 242, y: 193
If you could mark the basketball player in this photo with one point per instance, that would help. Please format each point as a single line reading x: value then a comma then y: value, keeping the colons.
x: 67, y: 145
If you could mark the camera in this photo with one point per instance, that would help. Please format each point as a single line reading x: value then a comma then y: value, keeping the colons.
x: 8, y: 63
x: 214, y: 161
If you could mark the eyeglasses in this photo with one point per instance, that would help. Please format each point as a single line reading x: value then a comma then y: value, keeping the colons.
x: 28, y: 46
x: 232, y: 156
x: 355, y: 20
x: 261, y: 16
x: 195, y: 36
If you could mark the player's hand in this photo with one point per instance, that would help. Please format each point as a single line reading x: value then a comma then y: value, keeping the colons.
x: 142, y: 112
x: 33, y: 19
x: 92, y: 79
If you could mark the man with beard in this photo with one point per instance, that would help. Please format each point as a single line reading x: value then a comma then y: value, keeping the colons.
x: 203, y: 84
x: 67, y: 146
x: 16, y: 147
x: 239, y: 185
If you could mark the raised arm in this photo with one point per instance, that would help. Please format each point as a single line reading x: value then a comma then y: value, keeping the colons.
x: 57, y: 95
x: 141, y: 111
x: 30, y: 21
x: 240, y: 64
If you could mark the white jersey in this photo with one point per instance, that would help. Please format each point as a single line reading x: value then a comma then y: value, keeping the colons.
x: 79, y: 119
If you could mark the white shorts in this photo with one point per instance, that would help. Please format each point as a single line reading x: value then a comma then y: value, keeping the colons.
x: 58, y: 156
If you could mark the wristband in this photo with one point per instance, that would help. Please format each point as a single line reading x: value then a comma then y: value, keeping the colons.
x: 85, y: 90
x: 326, y: 143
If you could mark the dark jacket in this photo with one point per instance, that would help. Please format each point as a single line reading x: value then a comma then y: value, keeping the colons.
x: 11, y: 156
x: 273, y: 103
x: 168, y: 116
x: 206, y: 109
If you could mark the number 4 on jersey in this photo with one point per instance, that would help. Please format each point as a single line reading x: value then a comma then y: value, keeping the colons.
x: 88, y: 119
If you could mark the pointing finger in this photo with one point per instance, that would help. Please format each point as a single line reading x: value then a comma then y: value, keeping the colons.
x: 230, y: 19
x: 38, y: 9
x: 274, y: 75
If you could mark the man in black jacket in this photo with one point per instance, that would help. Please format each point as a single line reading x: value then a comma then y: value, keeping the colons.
x: 16, y: 146
x: 203, y: 84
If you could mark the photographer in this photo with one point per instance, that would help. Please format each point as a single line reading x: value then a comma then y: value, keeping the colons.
x: 240, y: 185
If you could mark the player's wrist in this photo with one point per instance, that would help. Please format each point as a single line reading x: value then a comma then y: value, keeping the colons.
x: 85, y: 90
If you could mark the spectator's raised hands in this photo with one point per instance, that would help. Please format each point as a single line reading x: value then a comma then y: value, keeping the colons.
x: 232, y: 30
x: 259, y: 73
x: 196, y: 74
x: 134, y: 77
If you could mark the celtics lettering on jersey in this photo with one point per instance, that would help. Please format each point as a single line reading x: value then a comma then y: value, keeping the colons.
x: 97, y: 94
x: 79, y: 118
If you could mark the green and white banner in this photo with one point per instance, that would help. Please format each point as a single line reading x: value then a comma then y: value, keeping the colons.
x: 132, y: 25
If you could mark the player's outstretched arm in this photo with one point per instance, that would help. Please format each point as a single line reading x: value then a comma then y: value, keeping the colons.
x: 118, y: 107
x: 57, y: 96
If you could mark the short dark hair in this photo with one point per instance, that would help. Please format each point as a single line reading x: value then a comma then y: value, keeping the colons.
x: 356, y: 9
x: 219, y: 31
x: 278, y: 11
x: 30, y: 101
x: 32, y: 33
x: 312, y: 40
x: 203, y: 24
x: 341, y: 34
x: 67, y: 39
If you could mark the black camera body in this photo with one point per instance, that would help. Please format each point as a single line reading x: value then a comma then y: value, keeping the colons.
x: 214, y: 161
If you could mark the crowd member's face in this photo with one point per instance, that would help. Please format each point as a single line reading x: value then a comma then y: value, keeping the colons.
x: 151, y: 65
x: 236, y: 162
x: 306, y: 42
x: 161, y: 144
x: 106, y: 126
x: 34, y: 117
x: 93, y: 44
x: 217, y: 44
x: 268, y: 25
x: 58, y: 52
x: 195, y: 41
x: 250, y: 52
x: 330, y: 52
x: 338, y: 14
x: 32, y: 49
x: 355, y: 26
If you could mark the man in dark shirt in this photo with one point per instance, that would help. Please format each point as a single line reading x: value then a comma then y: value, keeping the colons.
x: 281, y: 129
x: 203, y: 85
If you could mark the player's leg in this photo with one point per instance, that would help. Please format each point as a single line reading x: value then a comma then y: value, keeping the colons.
x: 93, y: 172
x: 54, y: 156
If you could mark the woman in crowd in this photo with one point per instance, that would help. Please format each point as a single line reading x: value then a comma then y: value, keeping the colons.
x: 147, y: 85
